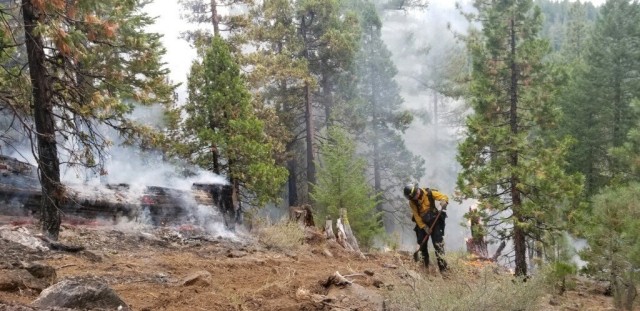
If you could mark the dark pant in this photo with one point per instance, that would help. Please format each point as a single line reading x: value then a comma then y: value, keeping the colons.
x: 437, y: 239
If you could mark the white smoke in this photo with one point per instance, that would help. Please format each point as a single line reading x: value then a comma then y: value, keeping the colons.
x: 421, y: 42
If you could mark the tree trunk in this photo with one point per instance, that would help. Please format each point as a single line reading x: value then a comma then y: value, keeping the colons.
x: 516, y: 201
x: 326, y: 92
x: 214, y: 18
x: 293, y: 182
x: 309, y: 130
x: 328, y: 229
x: 311, y: 168
x: 350, y: 238
x: 48, y: 163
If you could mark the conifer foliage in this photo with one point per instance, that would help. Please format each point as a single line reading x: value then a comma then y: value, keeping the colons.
x: 342, y: 183
x: 380, y: 113
x: 89, y: 64
x: 612, y: 232
x: 510, y: 161
x: 221, y: 131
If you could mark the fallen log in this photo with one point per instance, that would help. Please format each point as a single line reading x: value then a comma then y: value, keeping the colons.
x: 54, y: 245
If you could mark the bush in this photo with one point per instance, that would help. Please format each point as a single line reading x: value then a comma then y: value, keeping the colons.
x: 284, y: 235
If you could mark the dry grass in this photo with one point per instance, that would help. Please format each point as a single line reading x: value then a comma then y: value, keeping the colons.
x: 469, y: 287
x: 283, y: 235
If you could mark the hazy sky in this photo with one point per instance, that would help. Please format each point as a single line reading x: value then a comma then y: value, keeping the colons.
x: 180, y: 54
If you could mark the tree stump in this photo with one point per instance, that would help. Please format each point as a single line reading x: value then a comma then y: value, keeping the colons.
x: 302, y: 215
x: 328, y: 229
x: 350, y: 238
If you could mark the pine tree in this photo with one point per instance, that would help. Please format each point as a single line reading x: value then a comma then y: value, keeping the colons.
x: 342, y: 183
x: 613, y: 235
x: 302, y: 66
x: 222, y: 132
x: 599, y: 114
x: 278, y: 81
x: 218, y: 16
x: 90, y: 63
x: 382, y: 117
x: 510, y: 160
x: 14, y: 97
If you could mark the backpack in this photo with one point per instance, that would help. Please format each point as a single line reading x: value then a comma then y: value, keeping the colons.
x: 429, y: 214
x: 429, y: 217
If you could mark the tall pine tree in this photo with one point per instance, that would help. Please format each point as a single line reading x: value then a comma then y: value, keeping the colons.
x: 382, y: 118
x: 598, y: 112
x: 510, y: 161
x: 221, y: 131
x: 90, y: 63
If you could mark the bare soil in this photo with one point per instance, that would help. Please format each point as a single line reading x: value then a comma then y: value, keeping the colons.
x: 181, y: 269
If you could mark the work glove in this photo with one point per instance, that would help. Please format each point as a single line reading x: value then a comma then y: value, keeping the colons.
x: 443, y: 205
x: 426, y: 230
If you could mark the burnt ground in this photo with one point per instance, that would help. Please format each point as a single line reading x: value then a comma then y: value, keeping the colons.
x: 182, y: 269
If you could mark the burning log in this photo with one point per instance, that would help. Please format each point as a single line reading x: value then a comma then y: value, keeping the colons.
x: 21, y: 190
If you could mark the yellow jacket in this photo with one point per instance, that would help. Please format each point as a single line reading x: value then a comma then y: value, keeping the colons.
x: 424, y: 205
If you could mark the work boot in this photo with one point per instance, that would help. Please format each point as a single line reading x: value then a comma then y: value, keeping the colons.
x: 445, y: 274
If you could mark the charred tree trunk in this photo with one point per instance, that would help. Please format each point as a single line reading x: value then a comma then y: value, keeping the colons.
x: 516, y: 200
x: 293, y: 182
x: 311, y: 168
x: 48, y: 163
x: 215, y: 154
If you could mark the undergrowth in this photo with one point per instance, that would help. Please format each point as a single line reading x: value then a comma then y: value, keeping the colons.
x: 283, y: 235
x: 469, y: 287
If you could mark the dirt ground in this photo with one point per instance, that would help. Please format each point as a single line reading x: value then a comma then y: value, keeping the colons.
x: 181, y: 269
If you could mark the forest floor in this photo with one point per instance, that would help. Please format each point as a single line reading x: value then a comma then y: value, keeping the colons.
x: 180, y: 269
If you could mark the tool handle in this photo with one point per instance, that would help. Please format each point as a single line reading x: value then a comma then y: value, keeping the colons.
x: 430, y: 230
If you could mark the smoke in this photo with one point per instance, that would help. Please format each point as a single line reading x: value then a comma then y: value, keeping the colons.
x: 126, y: 174
x: 424, y: 50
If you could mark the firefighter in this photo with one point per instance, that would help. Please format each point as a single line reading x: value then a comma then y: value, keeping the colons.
x: 425, y: 215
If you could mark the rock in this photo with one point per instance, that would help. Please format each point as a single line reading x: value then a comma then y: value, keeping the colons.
x: 369, y: 272
x: 9, y: 282
x: 84, y: 293
x: 200, y: 278
x: 17, y: 279
x: 91, y: 256
x: 41, y: 271
x: 18, y: 307
x: 554, y: 301
x: 236, y: 254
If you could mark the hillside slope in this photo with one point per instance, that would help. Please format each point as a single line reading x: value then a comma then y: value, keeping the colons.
x: 181, y: 269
